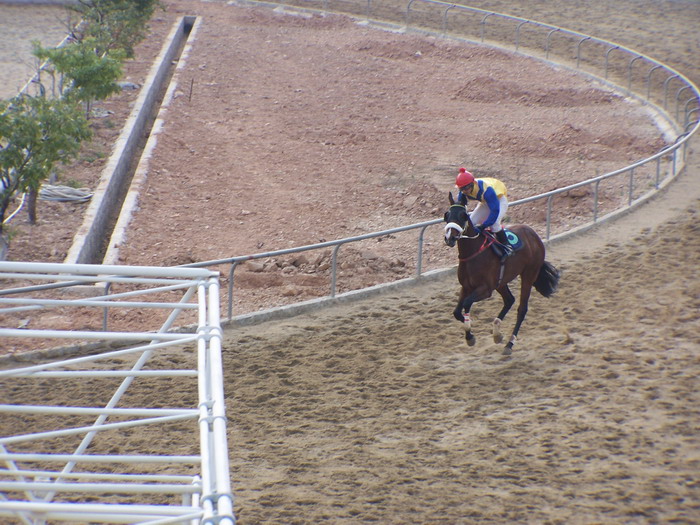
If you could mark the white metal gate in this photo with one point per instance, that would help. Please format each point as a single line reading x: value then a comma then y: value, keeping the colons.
x: 116, y: 459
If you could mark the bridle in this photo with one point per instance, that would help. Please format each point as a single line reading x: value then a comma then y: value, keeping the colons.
x: 461, y: 229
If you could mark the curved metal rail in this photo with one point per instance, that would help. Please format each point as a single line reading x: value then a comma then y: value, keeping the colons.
x: 653, y: 83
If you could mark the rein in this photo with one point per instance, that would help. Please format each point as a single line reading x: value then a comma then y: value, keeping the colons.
x: 488, y: 241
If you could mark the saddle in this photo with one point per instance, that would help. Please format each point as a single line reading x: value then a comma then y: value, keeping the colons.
x: 515, y: 242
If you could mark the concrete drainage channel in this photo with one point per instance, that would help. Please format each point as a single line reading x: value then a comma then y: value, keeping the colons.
x: 116, y: 195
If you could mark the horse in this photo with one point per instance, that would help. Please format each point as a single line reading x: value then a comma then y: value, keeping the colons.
x: 481, y: 270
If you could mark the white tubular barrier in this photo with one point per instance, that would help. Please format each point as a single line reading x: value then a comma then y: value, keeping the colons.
x: 39, y: 486
x: 217, y: 499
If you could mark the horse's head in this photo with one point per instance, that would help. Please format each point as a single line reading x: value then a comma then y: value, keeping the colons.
x: 456, y: 218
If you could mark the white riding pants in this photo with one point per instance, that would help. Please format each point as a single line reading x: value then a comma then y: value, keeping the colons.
x: 482, y: 211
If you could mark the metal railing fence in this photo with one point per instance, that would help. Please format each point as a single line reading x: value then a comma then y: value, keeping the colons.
x: 671, y: 94
x: 63, y: 420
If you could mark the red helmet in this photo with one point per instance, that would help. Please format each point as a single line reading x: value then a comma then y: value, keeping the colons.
x: 464, y: 178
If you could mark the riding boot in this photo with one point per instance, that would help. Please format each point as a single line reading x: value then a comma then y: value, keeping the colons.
x: 507, y: 248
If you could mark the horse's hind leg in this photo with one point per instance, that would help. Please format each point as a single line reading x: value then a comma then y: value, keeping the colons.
x: 525, y: 290
x: 508, y: 301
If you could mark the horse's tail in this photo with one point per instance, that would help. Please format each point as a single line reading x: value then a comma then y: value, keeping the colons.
x: 547, y: 280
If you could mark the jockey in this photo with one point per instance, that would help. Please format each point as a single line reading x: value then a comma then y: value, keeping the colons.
x: 493, y: 204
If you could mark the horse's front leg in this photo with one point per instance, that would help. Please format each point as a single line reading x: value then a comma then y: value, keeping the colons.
x: 461, y: 313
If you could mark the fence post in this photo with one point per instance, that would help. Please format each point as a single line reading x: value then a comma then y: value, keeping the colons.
x: 483, y: 25
x: 548, y: 42
x: 595, y: 200
x: 629, y: 72
x: 631, y: 188
x: 419, y: 259
x: 444, y: 19
x: 105, y: 312
x: 607, y: 59
x: 649, y: 80
x: 334, y: 269
x: 578, y: 51
x: 517, y: 34
x: 230, y: 289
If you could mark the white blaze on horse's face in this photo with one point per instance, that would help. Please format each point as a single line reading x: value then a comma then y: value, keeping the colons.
x: 453, y: 231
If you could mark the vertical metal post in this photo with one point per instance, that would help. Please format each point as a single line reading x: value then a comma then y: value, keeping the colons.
x: 658, y: 173
x: 595, y: 200
x: 517, y: 34
x: 666, y: 82
x: 230, y: 290
x: 195, y: 498
x: 687, y: 112
x: 224, y: 496
x: 334, y: 268
x: 673, y: 164
x: 444, y: 19
x: 678, y: 101
x: 204, y: 405
x: 607, y: 59
x: 689, y: 118
x: 629, y: 72
x: 483, y: 25
x: 408, y: 13
x: 419, y: 259
x: 631, y: 188
x: 105, y: 310
x: 649, y: 80
x: 548, y: 42
x: 578, y: 51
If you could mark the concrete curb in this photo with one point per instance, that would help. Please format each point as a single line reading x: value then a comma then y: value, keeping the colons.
x: 292, y: 310
x: 88, y: 241
x: 130, y: 204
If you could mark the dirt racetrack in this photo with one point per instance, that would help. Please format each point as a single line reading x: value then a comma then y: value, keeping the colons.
x: 376, y: 412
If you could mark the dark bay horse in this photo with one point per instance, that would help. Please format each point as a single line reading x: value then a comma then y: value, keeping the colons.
x: 481, y: 271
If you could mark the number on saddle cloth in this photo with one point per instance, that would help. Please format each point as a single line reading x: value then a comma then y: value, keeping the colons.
x: 515, y: 242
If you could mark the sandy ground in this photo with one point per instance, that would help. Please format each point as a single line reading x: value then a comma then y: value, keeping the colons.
x: 378, y: 412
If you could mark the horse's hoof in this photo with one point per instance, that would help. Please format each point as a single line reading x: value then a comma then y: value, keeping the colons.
x: 497, y: 335
x: 507, y: 350
x: 471, y: 339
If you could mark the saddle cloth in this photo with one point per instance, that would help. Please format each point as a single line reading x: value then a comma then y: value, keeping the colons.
x: 516, y: 242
